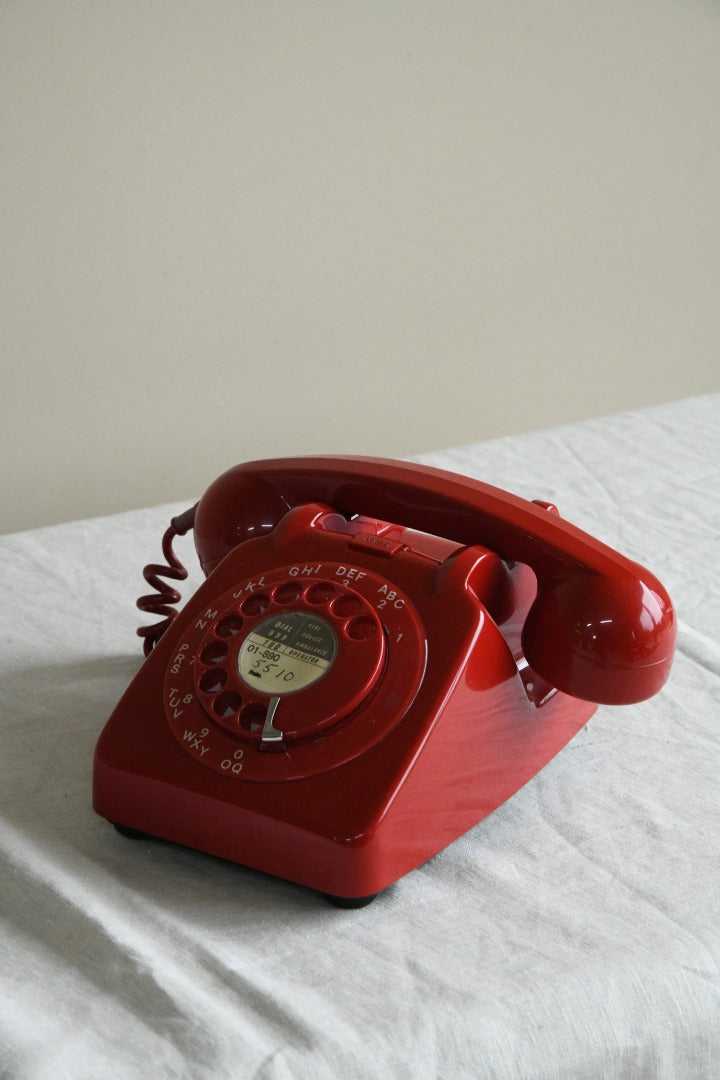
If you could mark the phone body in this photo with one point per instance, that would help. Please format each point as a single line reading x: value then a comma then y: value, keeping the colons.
x: 381, y: 654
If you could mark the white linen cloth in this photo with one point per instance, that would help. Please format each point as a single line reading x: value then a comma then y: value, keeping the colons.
x: 573, y: 933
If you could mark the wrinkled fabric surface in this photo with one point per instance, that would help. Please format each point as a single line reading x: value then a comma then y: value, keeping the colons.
x: 573, y: 933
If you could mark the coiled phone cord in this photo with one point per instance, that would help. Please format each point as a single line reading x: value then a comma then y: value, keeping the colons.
x: 162, y: 601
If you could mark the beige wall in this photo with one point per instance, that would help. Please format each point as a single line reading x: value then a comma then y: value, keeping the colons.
x: 235, y: 230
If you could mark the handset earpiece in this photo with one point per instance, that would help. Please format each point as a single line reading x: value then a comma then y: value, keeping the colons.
x: 602, y: 628
x: 238, y: 506
x: 607, y: 639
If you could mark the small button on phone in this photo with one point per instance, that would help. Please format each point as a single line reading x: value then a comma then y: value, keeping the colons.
x: 376, y: 545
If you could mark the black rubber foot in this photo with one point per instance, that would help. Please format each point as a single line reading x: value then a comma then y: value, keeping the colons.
x: 131, y: 834
x: 350, y: 901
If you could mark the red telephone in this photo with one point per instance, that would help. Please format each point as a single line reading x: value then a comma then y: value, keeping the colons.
x: 382, y: 654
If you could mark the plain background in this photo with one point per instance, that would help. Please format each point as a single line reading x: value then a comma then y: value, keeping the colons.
x: 237, y: 230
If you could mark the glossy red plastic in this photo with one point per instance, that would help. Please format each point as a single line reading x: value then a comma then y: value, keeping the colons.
x: 381, y: 655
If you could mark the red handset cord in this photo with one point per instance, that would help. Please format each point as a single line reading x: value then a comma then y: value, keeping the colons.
x: 162, y: 601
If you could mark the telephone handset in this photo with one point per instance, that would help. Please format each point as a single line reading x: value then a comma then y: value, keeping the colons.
x: 382, y: 653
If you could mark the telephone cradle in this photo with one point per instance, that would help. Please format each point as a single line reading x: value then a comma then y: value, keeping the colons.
x: 381, y: 654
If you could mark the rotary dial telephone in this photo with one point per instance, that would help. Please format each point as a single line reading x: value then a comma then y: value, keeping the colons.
x: 382, y: 654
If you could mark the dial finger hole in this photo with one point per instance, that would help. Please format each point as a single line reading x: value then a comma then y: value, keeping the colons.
x: 345, y: 606
x: 229, y: 625
x: 213, y: 680
x: 255, y: 605
x: 214, y: 652
x: 361, y: 629
x: 227, y: 703
x: 320, y: 593
x: 252, y: 718
x: 286, y: 594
